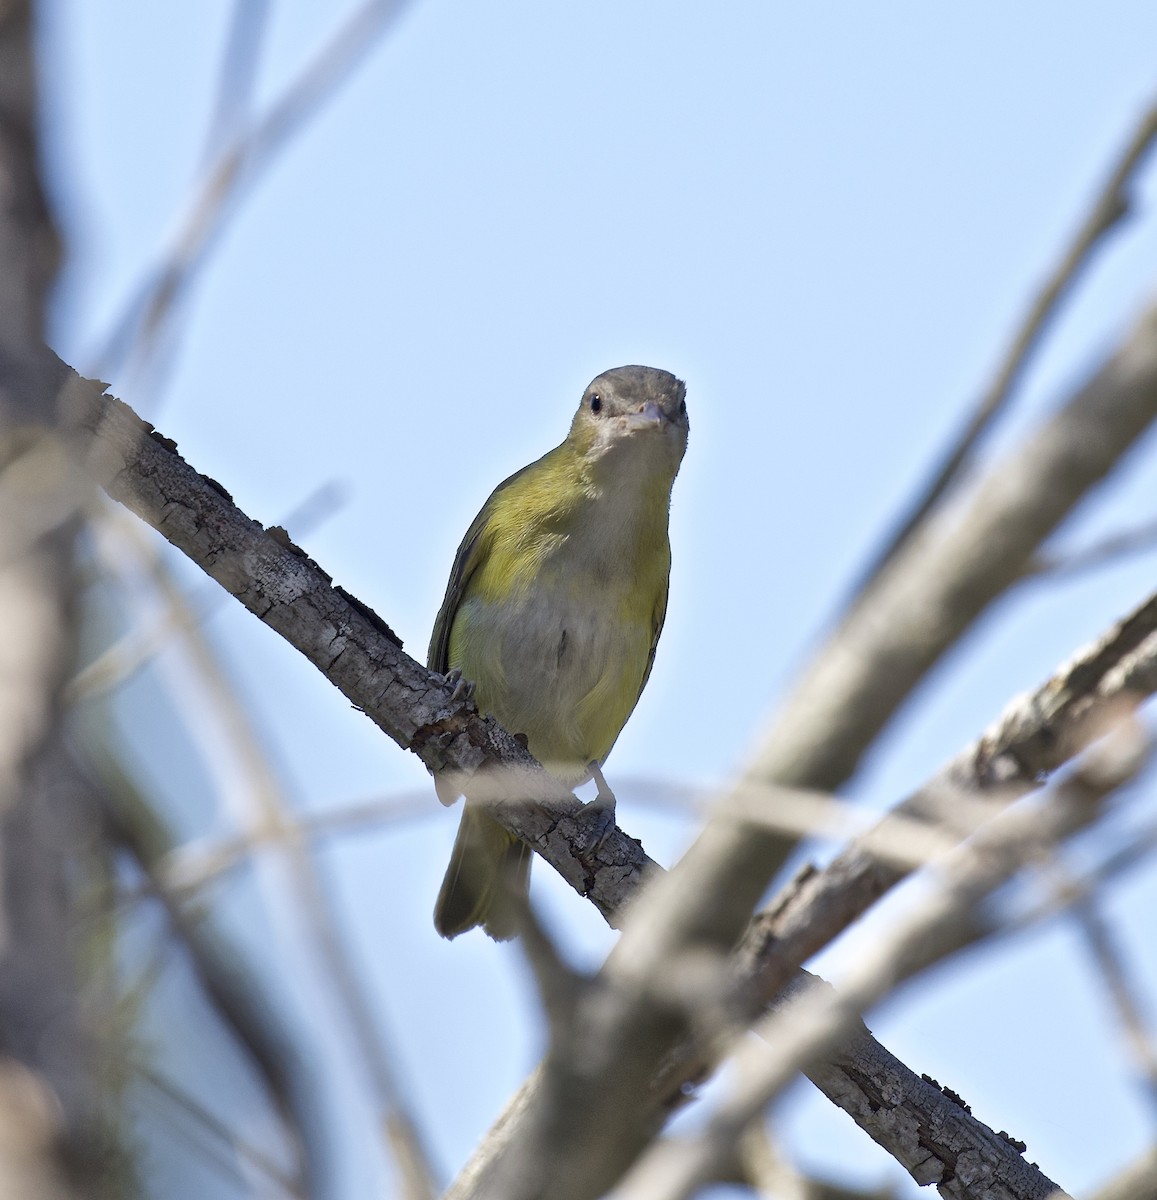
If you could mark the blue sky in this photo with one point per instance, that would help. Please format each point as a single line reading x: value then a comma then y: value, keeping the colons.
x: 826, y: 218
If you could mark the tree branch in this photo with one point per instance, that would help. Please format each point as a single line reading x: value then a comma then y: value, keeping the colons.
x: 1111, y: 205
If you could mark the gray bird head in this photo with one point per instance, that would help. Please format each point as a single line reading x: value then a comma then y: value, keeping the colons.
x: 636, y: 411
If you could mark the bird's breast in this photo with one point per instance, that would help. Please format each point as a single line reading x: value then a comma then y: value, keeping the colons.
x: 563, y: 659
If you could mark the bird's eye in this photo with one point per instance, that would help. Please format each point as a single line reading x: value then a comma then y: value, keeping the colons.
x: 596, y: 403
x: 682, y: 408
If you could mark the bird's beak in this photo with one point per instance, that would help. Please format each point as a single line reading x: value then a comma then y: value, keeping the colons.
x: 650, y: 416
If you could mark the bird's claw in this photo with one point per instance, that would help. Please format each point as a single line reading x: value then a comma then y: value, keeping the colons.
x: 604, y: 800
x: 463, y: 689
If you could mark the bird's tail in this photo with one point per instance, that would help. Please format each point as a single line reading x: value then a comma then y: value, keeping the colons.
x: 487, y: 869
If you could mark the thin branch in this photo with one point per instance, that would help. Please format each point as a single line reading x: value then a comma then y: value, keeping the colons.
x: 558, y: 982
x: 1113, y: 974
x: 801, y: 814
x: 1111, y: 205
x: 192, y: 867
x: 225, y: 1146
x: 1110, y: 550
x: 140, y: 327
x: 1136, y: 1182
x: 234, y: 998
x: 238, y: 73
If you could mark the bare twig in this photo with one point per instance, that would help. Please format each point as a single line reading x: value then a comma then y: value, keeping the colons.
x: 1121, y: 545
x: 1114, y: 975
x: 238, y: 73
x: 1111, y: 205
x: 234, y: 997
x: 225, y: 1145
x: 1136, y: 1182
x: 142, y: 324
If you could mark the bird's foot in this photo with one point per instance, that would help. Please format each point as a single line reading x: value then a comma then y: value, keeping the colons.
x: 463, y: 688
x: 604, y: 798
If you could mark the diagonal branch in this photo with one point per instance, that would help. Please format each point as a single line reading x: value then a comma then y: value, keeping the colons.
x: 243, y: 1011
x: 236, y: 168
x: 1111, y: 206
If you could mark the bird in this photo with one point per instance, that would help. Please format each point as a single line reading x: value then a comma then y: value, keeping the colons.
x: 553, y: 611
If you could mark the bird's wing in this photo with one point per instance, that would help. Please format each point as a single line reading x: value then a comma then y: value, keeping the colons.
x: 465, y: 564
x: 657, y: 620
x: 469, y: 558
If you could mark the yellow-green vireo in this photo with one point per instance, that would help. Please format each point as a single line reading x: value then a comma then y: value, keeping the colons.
x: 554, y: 608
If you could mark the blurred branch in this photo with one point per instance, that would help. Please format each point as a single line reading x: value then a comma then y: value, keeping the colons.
x: 233, y: 995
x: 1117, y: 982
x: 1121, y: 545
x: 815, y: 1019
x: 140, y: 327
x: 1137, y: 1182
x: 226, y: 1146
x: 1036, y: 734
x: 55, y: 1128
x: 802, y: 814
x: 1110, y: 206
x: 129, y: 653
x: 757, y: 1163
x: 192, y: 867
x: 231, y: 104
